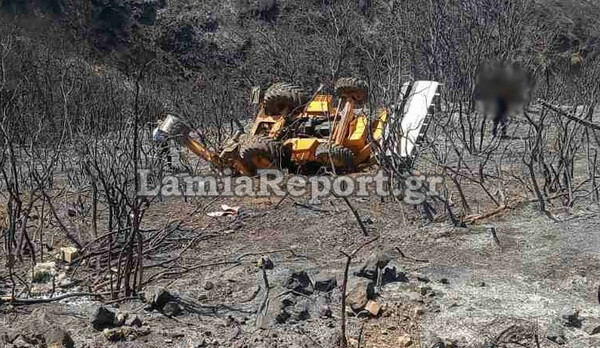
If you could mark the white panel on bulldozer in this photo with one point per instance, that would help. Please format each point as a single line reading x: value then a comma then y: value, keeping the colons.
x: 415, y: 118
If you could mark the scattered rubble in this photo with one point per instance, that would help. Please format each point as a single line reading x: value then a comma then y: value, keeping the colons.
x: 119, y: 327
x: 301, y: 297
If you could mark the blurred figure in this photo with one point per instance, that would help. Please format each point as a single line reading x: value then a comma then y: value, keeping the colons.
x: 502, y: 87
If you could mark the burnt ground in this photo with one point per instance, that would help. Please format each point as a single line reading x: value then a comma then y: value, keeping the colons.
x: 470, y: 291
x: 535, y: 286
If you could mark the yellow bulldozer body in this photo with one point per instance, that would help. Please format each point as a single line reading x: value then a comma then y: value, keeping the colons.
x: 267, y: 125
x: 357, y: 133
x: 378, y: 125
x: 320, y: 105
x: 302, y: 149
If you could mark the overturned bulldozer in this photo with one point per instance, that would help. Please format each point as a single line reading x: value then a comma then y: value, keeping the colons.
x: 304, y: 134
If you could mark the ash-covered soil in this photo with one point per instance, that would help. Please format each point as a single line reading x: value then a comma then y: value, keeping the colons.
x: 452, y: 286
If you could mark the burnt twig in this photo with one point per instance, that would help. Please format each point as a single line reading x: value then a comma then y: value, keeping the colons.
x: 349, y: 257
x: 264, y: 304
x: 358, y: 219
x: 28, y: 301
x: 410, y: 257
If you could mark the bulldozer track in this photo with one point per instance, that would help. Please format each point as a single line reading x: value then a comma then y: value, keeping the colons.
x: 284, y: 96
x: 257, y: 148
x: 352, y: 87
x: 342, y: 157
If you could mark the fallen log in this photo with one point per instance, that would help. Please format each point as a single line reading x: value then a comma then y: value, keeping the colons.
x: 500, y: 209
x: 27, y: 301
x: 571, y: 117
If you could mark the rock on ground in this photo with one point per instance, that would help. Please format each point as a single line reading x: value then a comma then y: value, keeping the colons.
x: 125, y: 333
x: 102, y: 318
x: 44, y: 272
x: 325, y: 284
x: 134, y: 321
x: 171, y: 309
x: 300, y: 282
x: 569, y: 317
x: 160, y: 298
x: 377, y: 260
x: 359, y: 294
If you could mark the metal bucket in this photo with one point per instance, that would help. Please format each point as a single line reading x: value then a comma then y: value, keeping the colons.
x: 174, y: 127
